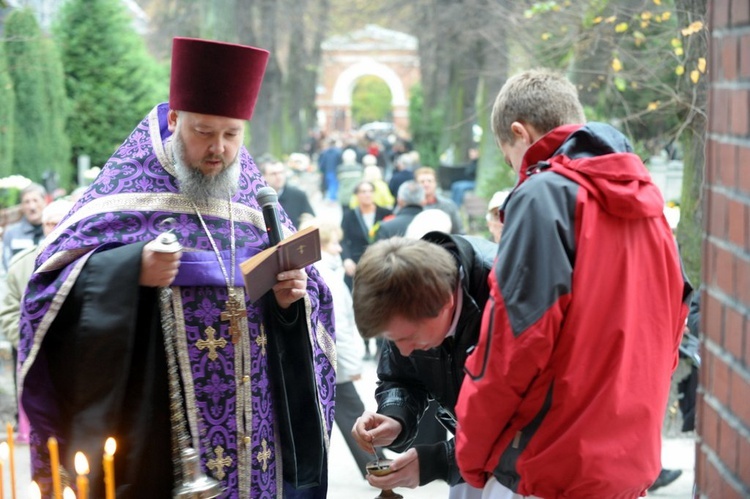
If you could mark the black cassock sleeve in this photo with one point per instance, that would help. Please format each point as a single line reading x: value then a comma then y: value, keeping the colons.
x: 106, y: 359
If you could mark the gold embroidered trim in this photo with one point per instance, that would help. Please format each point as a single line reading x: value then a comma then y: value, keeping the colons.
x: 329, y: 349
x: 49, y: 317
x: 244, y: 409
x: 183, y: 360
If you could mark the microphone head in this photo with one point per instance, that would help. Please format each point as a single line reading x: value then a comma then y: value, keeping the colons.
x: 267, y: 196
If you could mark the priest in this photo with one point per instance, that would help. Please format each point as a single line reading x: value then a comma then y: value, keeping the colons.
x: 157, y: 345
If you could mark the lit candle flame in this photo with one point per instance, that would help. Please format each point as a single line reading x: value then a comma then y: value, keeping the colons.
x: 4, y: 451
x: 34, y: 491
x: 81, y: 464
x: 110, y: 446
x: 68, y: 493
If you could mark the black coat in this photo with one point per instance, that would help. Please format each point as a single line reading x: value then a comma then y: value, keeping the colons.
x: 397, y: 225
x: 406, y: 384
x: 295, y: 203
x: 356, y: 235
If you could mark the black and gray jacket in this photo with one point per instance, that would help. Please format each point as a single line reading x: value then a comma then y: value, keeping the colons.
x: 407, y: 384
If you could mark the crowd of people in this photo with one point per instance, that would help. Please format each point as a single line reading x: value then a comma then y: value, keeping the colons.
x: 537, y: 355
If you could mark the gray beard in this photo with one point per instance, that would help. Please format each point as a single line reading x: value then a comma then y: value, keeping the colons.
x: 198, y: 187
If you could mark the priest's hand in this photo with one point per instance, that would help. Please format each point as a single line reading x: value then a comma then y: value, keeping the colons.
x: 158, y: 268
x: 291, y: 286
x: 371, y: 429
x: 404, y: 472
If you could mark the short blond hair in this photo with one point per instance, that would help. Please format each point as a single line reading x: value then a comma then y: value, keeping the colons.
x: 541, y: 98
x: 425, y: 170
x: 328, y: 230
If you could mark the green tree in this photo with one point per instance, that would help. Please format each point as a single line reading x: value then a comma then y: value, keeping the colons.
x: 7, y: 108
x: 57, y: 106
x: 111, y: 80
x: 371, y: 100
x: 39, y: 142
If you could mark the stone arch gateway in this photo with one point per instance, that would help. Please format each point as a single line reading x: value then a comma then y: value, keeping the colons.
x: 373, y: 51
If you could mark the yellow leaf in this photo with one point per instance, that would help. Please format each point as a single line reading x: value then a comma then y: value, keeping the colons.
x: 665, y: 16
x: 657, y: 2
x: 646, y: 15
x: 639, y: 38
x: 693, y: 28
x: 546, y: 36
x: 702, y: 64
x: 678, y: 51
x: 616, y: 65
x: 610, y: 19
x: 695, y: 75
x: 621, y: 28
x: 597, y: 20
x: 679, y: 70
x: 653, y: 106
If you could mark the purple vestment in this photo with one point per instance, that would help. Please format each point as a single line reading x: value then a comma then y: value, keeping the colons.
x: 229, y: 404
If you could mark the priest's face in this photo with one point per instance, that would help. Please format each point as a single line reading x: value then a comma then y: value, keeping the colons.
x: 210, y: 143
x: 206, y: 153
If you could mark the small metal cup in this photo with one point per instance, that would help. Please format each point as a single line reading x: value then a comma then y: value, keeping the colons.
x: 381, y: 467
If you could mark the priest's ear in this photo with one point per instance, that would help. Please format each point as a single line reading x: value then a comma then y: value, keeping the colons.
x: 172, y: 120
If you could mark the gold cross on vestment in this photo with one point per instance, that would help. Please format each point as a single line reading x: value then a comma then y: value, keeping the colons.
x: 262, y: 340
x: 211, y: 343
x: 234, y: 313
x: 264, y: 455
x: 217, y: 465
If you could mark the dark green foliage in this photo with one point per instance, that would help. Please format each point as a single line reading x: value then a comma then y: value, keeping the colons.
x: 39, y: 143
x: 110, y: 78
x: 7, y: 107
x: 57, y: 106
x: 426, y: 126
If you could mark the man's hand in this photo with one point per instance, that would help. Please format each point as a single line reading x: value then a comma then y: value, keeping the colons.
x: 158, y: 269
x: 291, y: 287
x: 405, y: 473
x: 372, y: 429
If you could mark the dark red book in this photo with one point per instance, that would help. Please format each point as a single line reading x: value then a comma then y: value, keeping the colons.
x: 295, y: 252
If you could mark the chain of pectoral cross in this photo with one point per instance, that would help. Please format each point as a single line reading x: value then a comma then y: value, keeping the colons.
x: 235, y: 309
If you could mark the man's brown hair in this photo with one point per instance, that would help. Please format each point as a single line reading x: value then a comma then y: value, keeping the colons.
x: 400, y: 277
x: 541, y: 98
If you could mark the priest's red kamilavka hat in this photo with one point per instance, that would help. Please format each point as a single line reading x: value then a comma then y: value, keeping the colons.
x: 217, y: 78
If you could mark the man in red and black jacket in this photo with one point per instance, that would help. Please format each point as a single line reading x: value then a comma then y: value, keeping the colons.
x: 566, y: 390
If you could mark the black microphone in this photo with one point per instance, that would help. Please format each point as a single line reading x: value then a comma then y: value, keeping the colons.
x: 268, y: 199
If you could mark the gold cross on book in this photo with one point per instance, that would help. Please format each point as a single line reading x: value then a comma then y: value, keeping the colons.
x: 234, y: 313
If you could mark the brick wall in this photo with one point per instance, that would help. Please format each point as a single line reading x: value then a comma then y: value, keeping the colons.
x: 723, y: 451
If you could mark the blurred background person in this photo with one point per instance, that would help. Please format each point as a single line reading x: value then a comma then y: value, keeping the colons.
x: 292, y: 199
x: 372, y: 173
x: 19, y: 272
x: 349, y: 346
x: 349, y: 173
x: 27, y: 232
x: 409, y: 204
x: 427, y: 178
x: 494, y: 223
x: 359, y: 226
